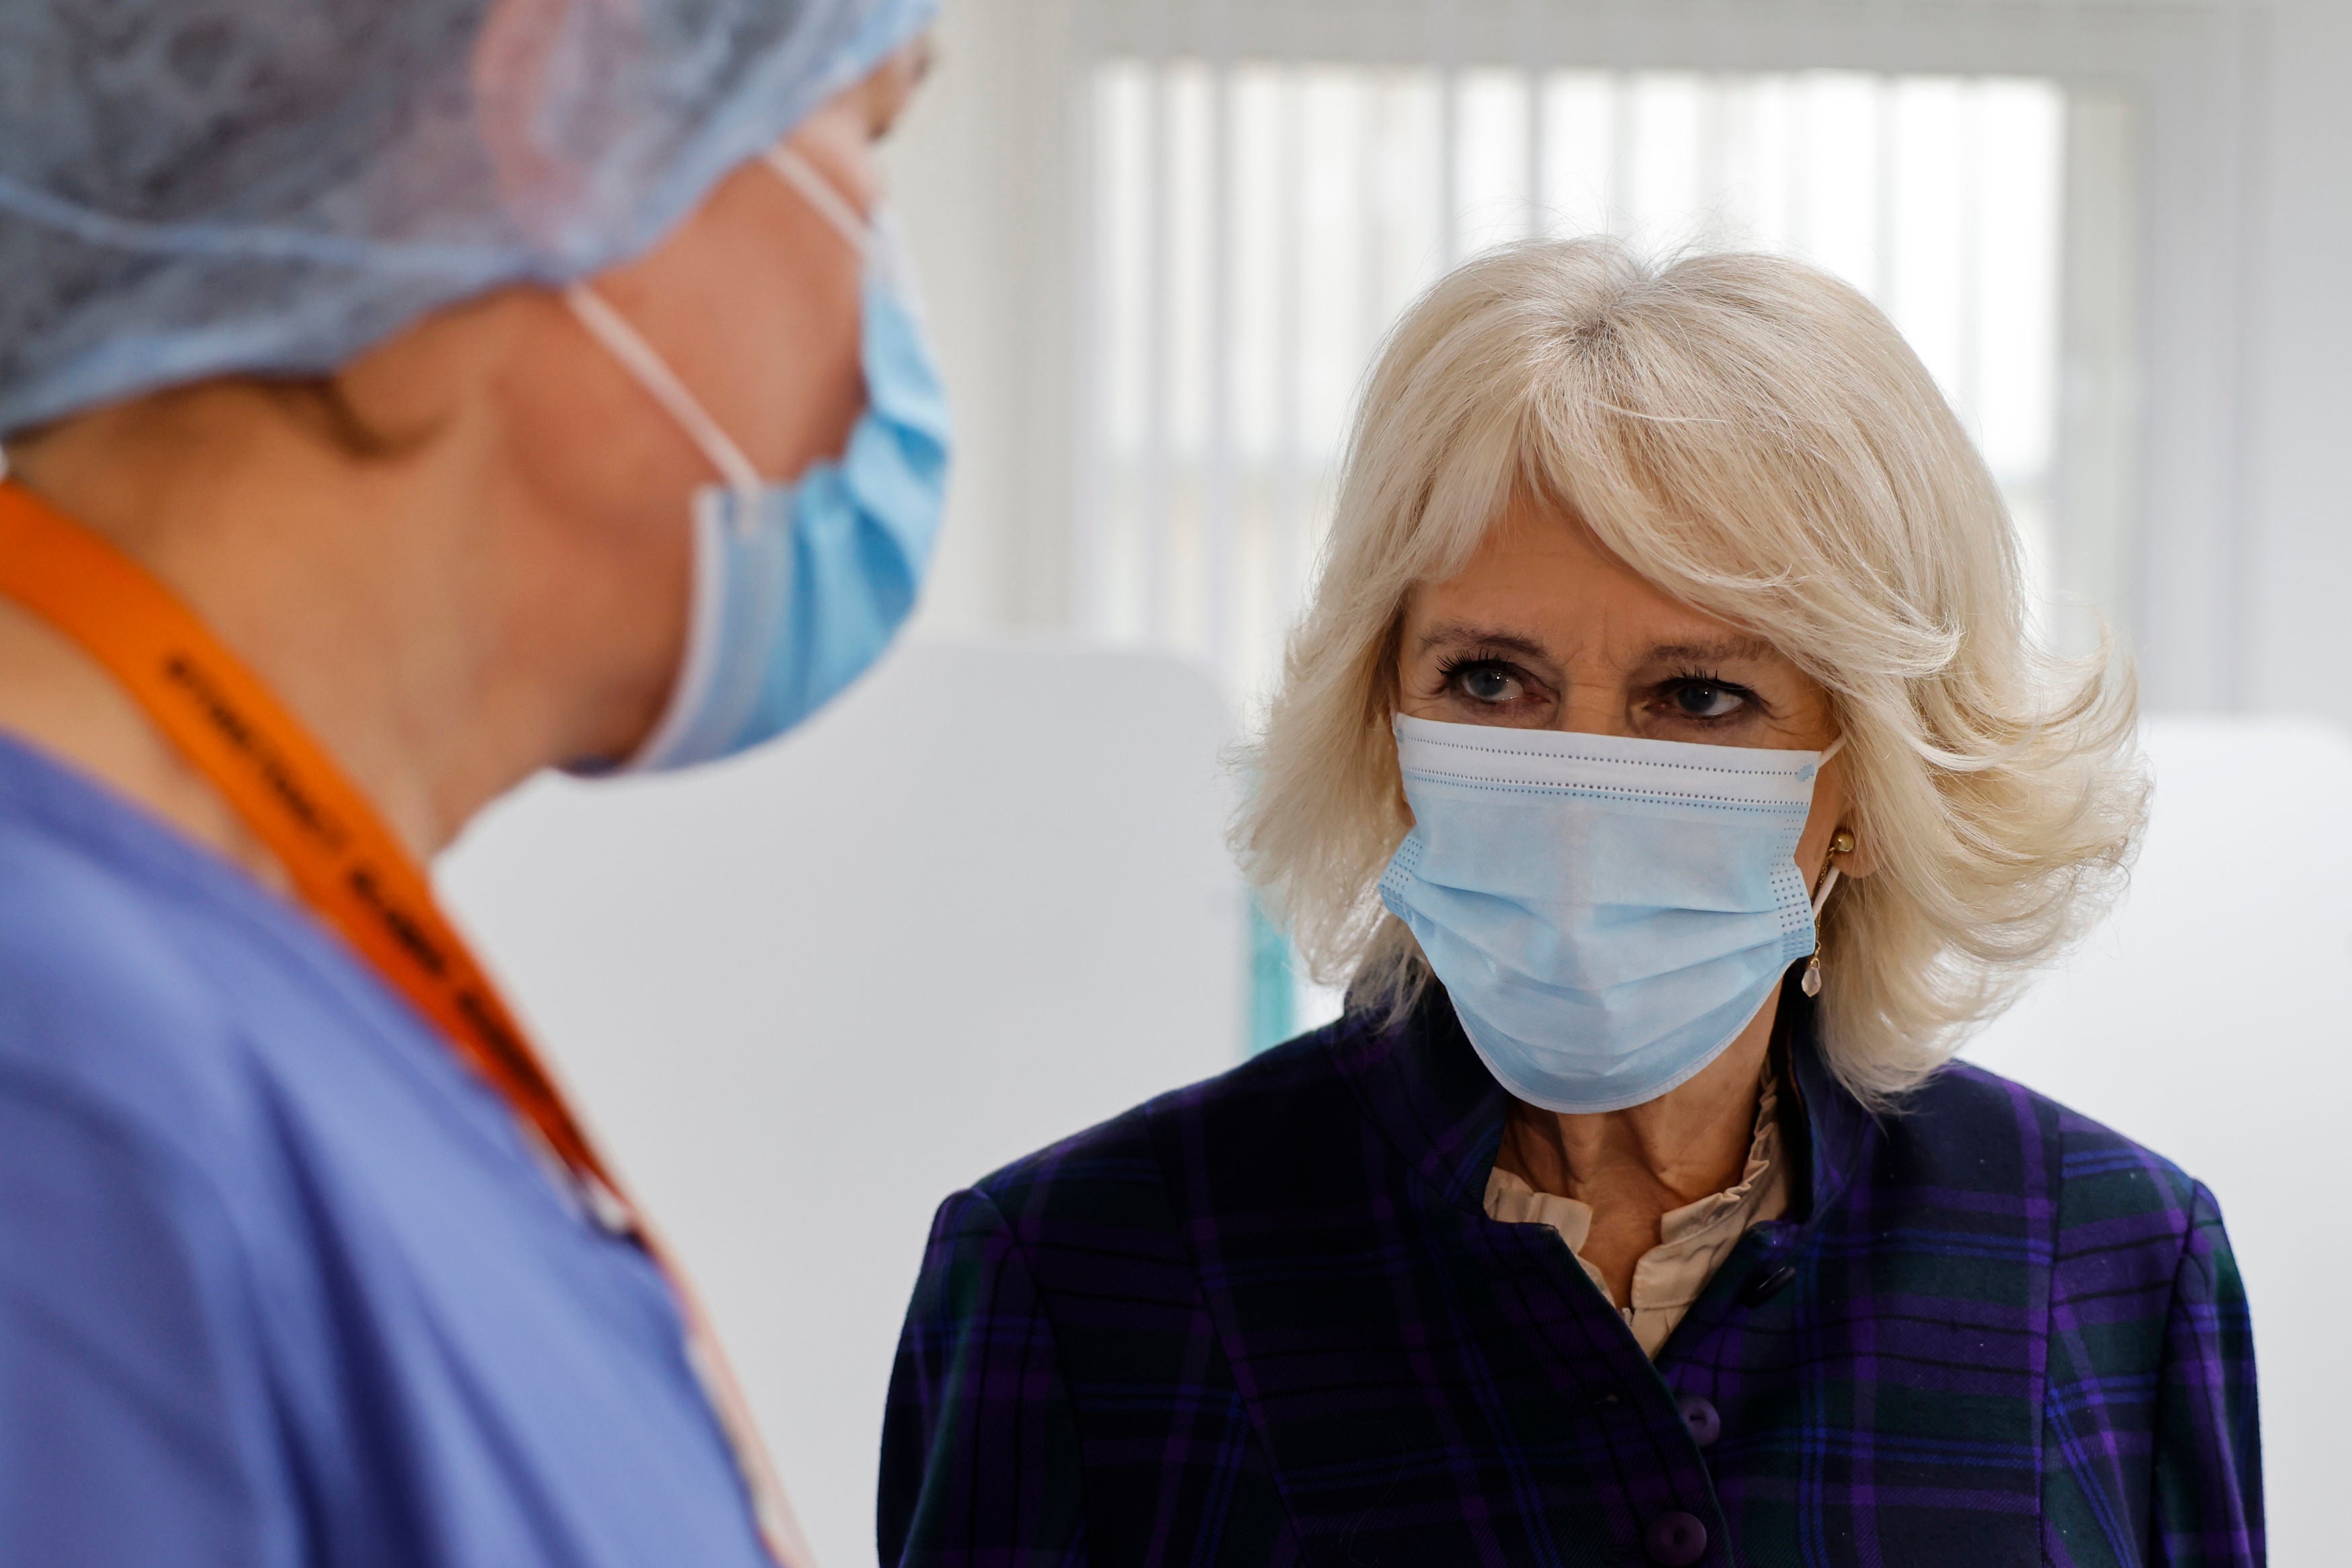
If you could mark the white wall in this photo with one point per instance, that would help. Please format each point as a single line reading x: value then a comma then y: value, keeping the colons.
x: 981, y: 903
x: 977, y: 174
x: 2298, y: 528
x: 2209, y: 1020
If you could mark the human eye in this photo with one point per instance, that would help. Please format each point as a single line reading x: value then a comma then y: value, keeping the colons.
x: 1489, y: 681
x: 1703, y: 699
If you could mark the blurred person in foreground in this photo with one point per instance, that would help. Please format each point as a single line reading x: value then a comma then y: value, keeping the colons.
x: 1665, y: 762
x: 399, y: 399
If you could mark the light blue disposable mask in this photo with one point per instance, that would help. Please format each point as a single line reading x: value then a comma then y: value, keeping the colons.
x: 800, y: 586
x: 1606, y: 913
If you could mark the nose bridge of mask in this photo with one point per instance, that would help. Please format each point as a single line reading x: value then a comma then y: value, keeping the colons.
x: 644, y: 362
x: 1599, y: 789
x: 1549, y: 759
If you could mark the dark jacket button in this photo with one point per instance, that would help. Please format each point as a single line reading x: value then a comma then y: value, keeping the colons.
x: 1765, y: 1283
x: 1705, y: 1423
x: 1675, y: 1539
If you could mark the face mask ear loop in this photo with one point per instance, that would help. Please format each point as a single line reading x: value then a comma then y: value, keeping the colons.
x: 830, y: 206
x: 1829, y: 875
x: 624, y: 341
x: 627, y: 345
x: 1821, y: 896
x: 1810, y: 984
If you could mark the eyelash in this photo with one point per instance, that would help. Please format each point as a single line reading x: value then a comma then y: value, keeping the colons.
x: 1453, y: 665
x: 1451, y: 668
x: 1749, y: 701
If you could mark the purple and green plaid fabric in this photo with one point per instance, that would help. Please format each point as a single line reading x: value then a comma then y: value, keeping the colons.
x: 1266, y: 1321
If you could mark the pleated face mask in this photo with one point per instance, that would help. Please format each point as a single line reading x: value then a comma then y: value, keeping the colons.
x: 1606, y: 913
x: 801, y: 585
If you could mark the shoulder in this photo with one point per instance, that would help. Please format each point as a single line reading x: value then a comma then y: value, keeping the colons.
x: 123, y: 1211
x: 1061, y: 1377
x: 102, y: 1007
x: 1970, y: 1128
x: 137, y: 976
x: 2148, y: 1374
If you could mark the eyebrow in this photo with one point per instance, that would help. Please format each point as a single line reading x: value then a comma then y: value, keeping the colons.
x: 1715, y: 650
x: 1722, y: 649
x: 1458, y: 635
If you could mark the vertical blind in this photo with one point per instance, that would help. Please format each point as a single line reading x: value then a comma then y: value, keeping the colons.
x: 1254, y: 228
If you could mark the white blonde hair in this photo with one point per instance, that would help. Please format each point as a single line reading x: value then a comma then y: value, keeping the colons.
x: 1754, y: 438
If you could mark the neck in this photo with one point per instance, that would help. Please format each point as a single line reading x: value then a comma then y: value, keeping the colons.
x: 355, y: 589
x: 1635, y: 1165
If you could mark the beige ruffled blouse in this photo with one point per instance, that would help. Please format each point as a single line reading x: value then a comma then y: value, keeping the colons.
x: 1693, y: 1240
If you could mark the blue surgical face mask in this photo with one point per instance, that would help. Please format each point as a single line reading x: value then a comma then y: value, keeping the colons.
x: 800, y: 586
x: 1606, y: 913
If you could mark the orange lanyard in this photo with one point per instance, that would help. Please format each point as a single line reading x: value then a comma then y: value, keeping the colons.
x: 354, y: 877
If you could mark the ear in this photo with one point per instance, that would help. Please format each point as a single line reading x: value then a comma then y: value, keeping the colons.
x: 1861, y: 859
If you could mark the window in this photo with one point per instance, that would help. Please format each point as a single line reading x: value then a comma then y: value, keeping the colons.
x: 1256, y: 226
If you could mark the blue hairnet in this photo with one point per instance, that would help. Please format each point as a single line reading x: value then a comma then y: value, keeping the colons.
x: 191, y: 188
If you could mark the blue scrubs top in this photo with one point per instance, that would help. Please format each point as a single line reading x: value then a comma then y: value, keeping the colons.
x: 280, y: 1281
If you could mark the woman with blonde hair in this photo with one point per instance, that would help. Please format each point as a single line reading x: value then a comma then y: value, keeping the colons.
x: 1665, y: 763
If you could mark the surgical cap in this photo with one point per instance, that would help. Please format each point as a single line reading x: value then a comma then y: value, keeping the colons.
x: 193, y: 188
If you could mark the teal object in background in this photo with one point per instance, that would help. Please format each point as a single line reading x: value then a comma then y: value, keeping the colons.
x: 1273, y: 983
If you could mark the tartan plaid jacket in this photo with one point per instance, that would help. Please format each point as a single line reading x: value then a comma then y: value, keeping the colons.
x: 1266, y: 1320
